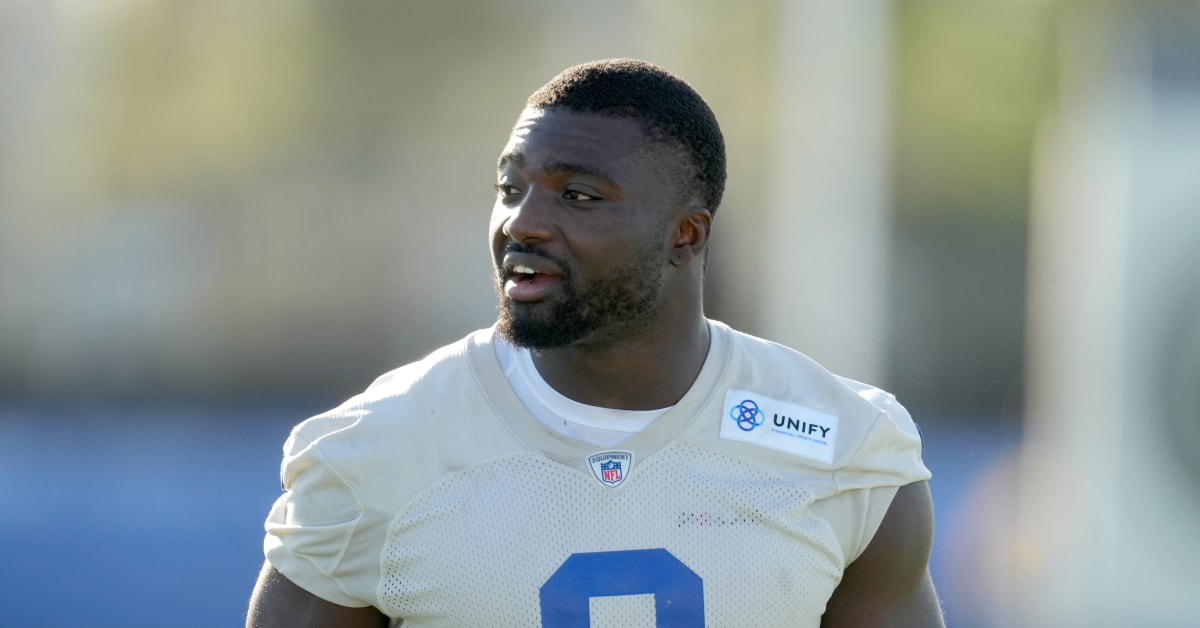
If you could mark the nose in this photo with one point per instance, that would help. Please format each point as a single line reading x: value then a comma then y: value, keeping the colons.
x: 529, y: 219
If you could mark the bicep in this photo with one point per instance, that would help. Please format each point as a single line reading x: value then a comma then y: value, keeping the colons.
x: 278, y: 603
x: 889, y: 584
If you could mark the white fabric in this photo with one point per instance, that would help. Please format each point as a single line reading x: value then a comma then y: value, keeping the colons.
x: 438, y: 498
x: 603, y: 427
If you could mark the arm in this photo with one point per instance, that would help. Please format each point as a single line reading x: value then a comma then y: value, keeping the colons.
x: 889, y: 584
x: 279, y: 603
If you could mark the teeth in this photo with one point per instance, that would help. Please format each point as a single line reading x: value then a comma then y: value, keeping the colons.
x: 524, y: 270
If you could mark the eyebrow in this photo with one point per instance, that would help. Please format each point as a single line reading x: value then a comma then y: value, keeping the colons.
x: 555, y: 166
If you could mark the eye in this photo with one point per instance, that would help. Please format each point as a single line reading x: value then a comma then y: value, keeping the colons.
x: 505, y: 189
x: 576, y: 195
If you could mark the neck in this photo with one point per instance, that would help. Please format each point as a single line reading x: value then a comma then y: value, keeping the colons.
x: 649, y: 370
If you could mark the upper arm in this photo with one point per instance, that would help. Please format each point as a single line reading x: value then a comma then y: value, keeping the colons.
x: 889, y: 584
x: 279, y: 603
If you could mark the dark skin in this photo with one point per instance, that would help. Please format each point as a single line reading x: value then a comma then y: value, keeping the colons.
x: 586, y: 189
x: 278, y: 603
x: 562, y: 189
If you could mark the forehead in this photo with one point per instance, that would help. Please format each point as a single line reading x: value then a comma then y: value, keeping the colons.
x: 550, y: 136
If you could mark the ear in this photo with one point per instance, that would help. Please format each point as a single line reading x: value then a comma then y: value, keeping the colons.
x: 691, y: 236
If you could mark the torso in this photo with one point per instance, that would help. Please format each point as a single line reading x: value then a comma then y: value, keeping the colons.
x: 482, y: 516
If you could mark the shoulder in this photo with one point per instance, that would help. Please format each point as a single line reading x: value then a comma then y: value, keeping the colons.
x: 402, y: 395
x: 782, y: 372
x: 386, y: 430
x: 858, y: 433
x: 447, y: 361
x: 791, y: 372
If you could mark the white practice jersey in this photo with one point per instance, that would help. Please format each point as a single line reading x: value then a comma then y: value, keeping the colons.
x: 436, y: 497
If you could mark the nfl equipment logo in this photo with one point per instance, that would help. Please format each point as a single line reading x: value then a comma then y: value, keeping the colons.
x: 611, y: 467
x: 610, y: 472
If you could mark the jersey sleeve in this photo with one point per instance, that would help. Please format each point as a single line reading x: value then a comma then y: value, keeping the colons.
x: 888, y: 458
x: 318, y: 533
x: 890, y: 452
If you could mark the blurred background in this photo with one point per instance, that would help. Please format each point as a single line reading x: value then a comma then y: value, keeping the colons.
x: 218, y: 218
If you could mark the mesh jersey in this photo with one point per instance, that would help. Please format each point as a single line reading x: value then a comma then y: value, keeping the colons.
x: 437, y: 498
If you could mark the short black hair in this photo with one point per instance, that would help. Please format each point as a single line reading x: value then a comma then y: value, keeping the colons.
x: 665, y: 103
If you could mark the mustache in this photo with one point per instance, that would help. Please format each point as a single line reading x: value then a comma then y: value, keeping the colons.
x: 533, y: 249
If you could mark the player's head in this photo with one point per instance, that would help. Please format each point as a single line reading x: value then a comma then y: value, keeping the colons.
x: 605, y: 193
x: 670, y: 110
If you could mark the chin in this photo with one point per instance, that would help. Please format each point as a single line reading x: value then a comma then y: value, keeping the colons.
x: 537, y: 333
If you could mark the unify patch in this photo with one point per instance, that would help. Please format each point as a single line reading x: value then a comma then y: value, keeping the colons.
x: 788, y: 427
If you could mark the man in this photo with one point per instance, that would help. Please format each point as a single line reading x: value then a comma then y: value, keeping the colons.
x: 604, y: 453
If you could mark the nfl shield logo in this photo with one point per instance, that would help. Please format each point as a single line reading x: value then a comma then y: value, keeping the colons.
x: 610, y: 471
x: 611, y: 467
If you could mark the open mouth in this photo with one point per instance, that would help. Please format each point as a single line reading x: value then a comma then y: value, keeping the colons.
x: 528, y: 276
x: 529, y: 280
x: 524, y: 274
x: 521, y: 272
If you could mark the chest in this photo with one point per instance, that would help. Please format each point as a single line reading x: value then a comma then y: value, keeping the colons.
x: 690, y: 538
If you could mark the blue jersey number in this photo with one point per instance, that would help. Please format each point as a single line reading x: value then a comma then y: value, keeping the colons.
x: 678, y: 591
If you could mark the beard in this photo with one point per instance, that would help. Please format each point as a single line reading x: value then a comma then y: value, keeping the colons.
x: 608, y: 309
